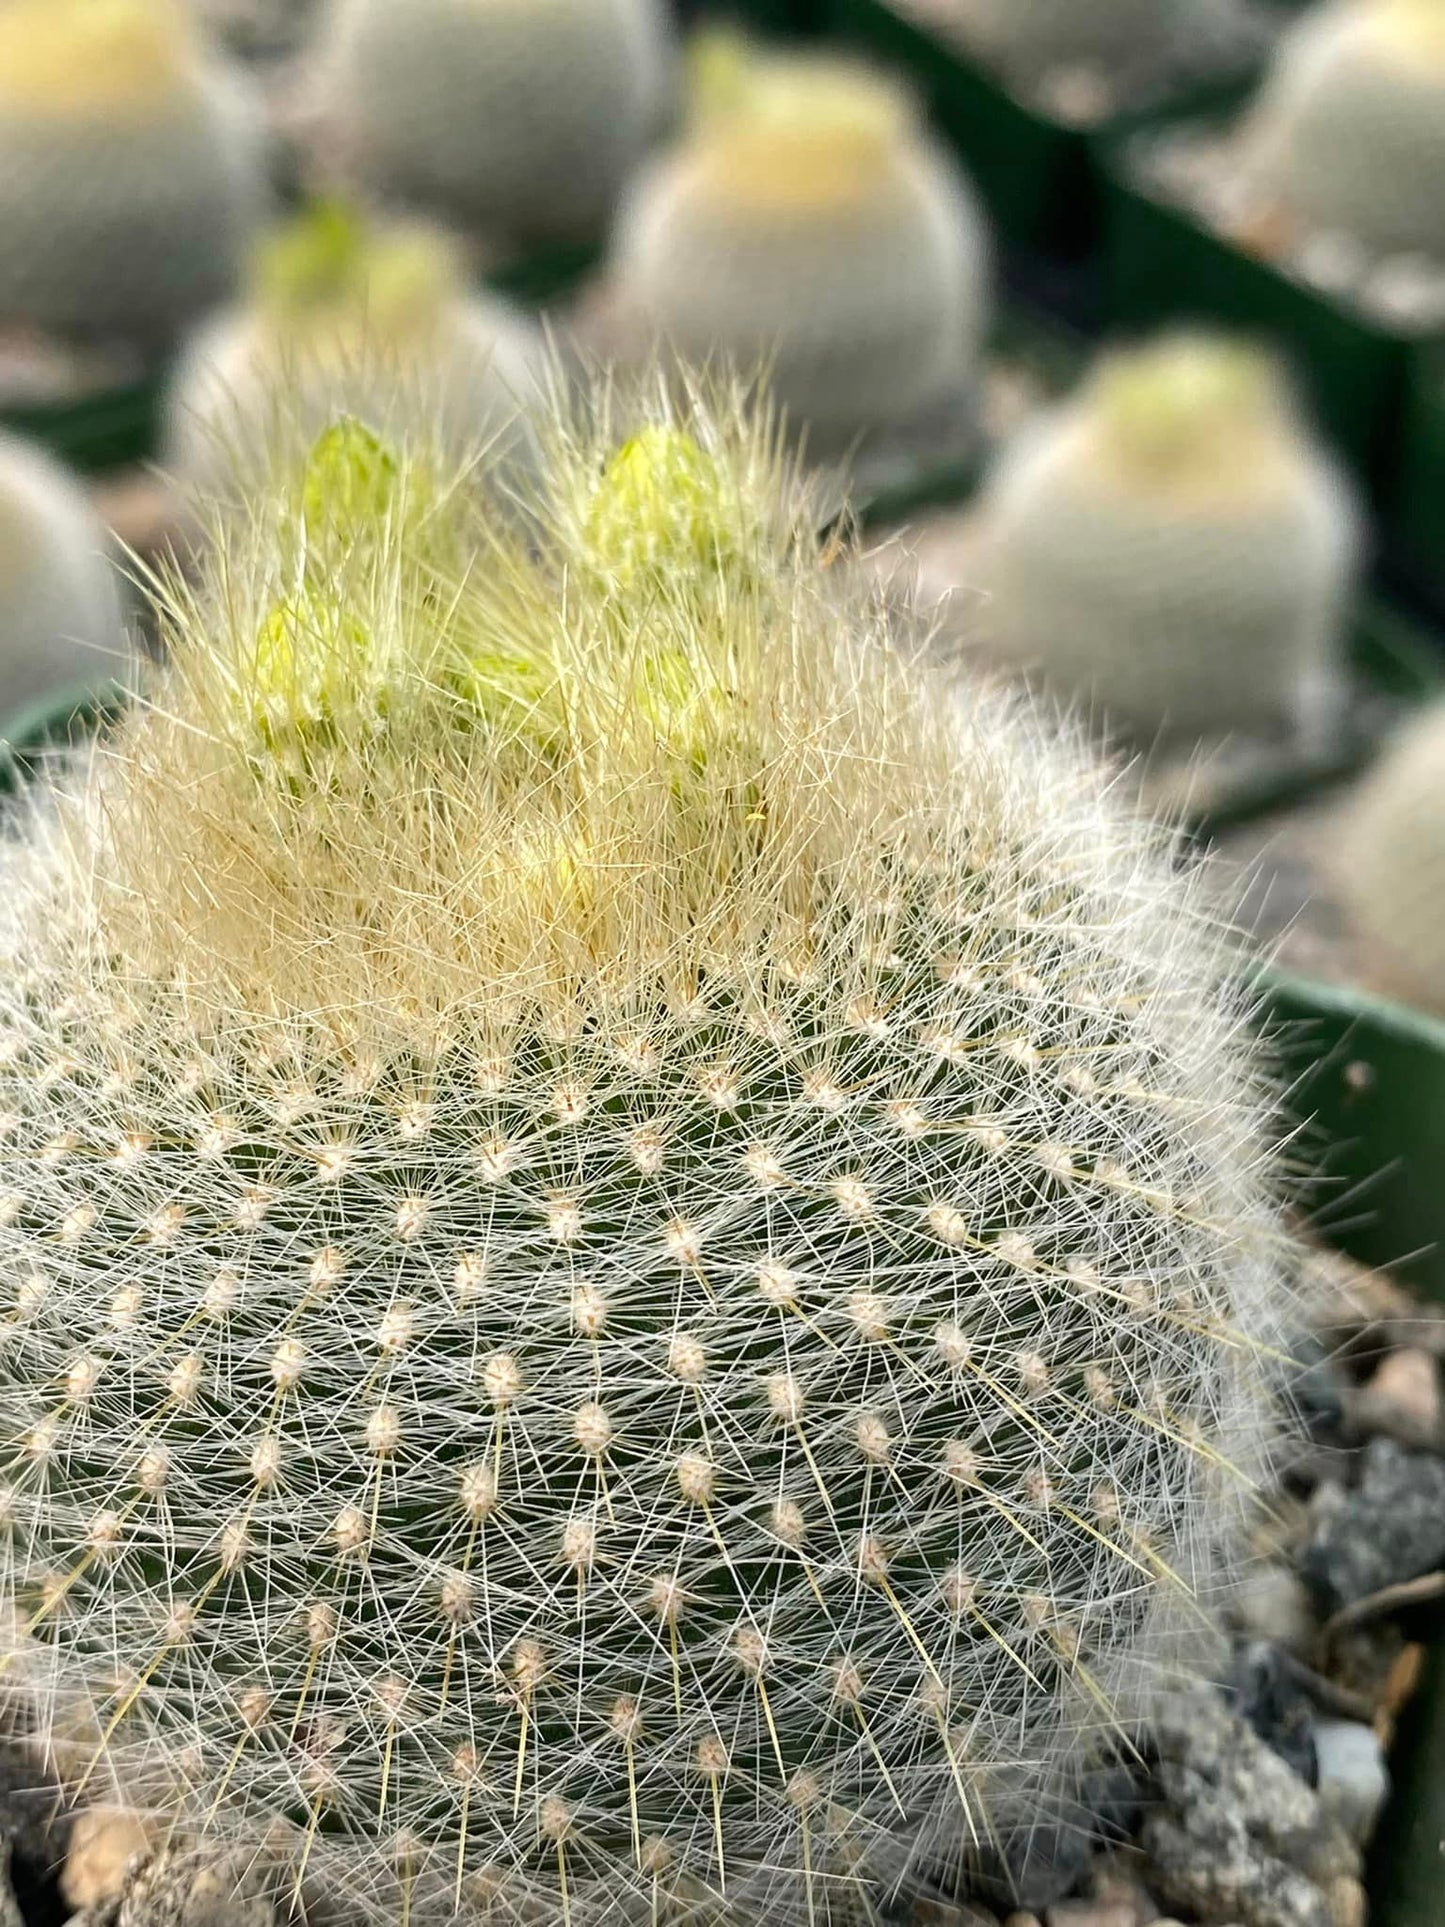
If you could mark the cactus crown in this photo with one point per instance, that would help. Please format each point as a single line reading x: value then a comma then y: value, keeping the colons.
x: 1192, y: 414
x: 792, y: 129
x: 633, y: 1242
x: 92, y: 56
x: 330, y: 263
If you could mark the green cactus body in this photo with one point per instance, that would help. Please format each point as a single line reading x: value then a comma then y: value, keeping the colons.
x: 1389, y: 868
x: 809, y: 225
x: 1034, y: 37
x: 1171, y: 548
x: 1348, y: 132
x: 372, y: 322
x: 61, y: 623
x: 131, y: 170
x: 652, y: 1306
x: 521, y: 117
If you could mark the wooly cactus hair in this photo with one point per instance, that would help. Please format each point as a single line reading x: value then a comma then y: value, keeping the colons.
x: 132, y: 168
x: 1033, y: 38
x: 348, y: 314
x: 1173, y: 546
x: 637, y: 1238
x: 62, y: 622
x: 518, y: 117
x: 807, y: 223
x: 1389, y: 864
x: 1347, y: 133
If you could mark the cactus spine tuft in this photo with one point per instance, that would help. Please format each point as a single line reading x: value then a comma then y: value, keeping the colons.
x: 654, y: 1302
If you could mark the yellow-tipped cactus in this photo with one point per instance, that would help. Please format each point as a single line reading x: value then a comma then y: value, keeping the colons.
x: 131, y: 169
x: 1174, y: 549
x: 637, y: 1309
x: 1348, y: 131
x: 343, y: 313
x: 519, y: 117
x: 809, y: 223
x: 1389, y: 865
x: 61, y: 620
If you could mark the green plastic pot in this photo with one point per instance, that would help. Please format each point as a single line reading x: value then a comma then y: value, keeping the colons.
x: 1041, y: 177
x: 113, y: 429
x: 57, y: 721
x: 1417, y: 526
x: 1163, y: 264
x: 1370, y: 1088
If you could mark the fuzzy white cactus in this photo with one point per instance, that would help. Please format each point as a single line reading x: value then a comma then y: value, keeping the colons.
x: 1031, y: 38
x: 1389, y: 864
x: 520, y: 117
x: 1174, y: 548
x: 635, y: 1245
x: 810, y: 224
x: 345, y: 315
x: 131, y: 169
x: 1348, y: 131
x: 62, y: 625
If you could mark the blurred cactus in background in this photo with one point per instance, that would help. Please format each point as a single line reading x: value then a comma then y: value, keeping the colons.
x: 131, y: 169
x: 518, y: 117
x: 1389, y: 867
x: 652, y: 1304
x: 347, y: 314
x: 808, y: 222
x: 1030, y: 38
x: 1347, y: 134
x: 1174, y: 548
x: 61, y: 621
x: 261, y: 29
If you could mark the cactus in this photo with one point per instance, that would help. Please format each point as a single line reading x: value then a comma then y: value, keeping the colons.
x: 1389, y: 866
x: 131, y: 169
x: 1172, y: 545
x: 61, y: 622
x: 1031, y: 38
x: 341, y: 315
x: 1347, y: 134
x: 518, y: 117
x: 636, y: 1240
x: 810, y: 224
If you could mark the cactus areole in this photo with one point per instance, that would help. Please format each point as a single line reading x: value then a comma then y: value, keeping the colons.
x: 635, y: 1239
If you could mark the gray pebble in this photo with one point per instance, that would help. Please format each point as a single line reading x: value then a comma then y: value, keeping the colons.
x: 1389, y: 1529
x: 1272, y: 1604
x: 177, y: 1890
x: 1354, y: 1782
x: 1237, y: 1837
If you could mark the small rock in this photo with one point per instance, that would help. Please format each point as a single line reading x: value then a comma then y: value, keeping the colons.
x: 1237, y: 1836
x: 1115, y: 1879
x: 1401, y: 1401
x: 1090, y: 1913
x: 1391, y: 1528
x: 1023, y: 1920
x: 1272, y: 1604
x: 103, y: 1843
x: 1267, y: 1694
x: 1349, y: 1905
x: 1354, y: 1782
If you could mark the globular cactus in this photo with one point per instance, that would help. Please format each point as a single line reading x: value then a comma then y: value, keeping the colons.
x: 518, y: 117
x: 344, y: 314
x: 1173, y: 547
x: 1389, y: 865
x: 62, y: 625
x: 132, y: 169
x: 1032, y: 38
x: 1348, y: 132
x: 809, y: 223
x: 636, y: 1237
